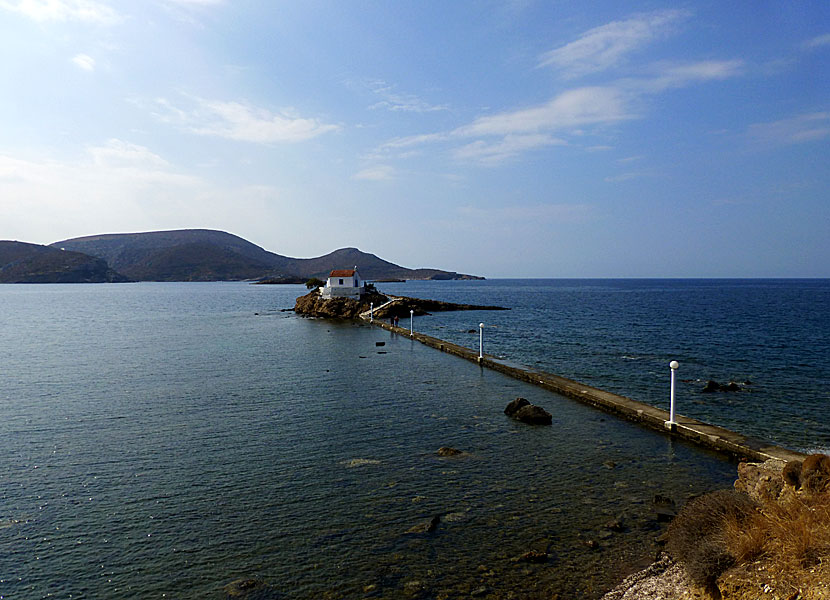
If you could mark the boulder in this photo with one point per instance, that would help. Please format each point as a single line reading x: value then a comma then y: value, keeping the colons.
x: 713, y: 386
x: 533, y: 415
x: 761, y: 481
x: 515, y: 405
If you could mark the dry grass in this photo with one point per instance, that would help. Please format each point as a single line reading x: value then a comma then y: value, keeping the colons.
x: 697, y: 536
x: 795, y: 534
x: 783, y: 545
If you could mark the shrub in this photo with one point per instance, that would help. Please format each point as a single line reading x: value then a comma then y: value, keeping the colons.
x: 696, y: 538
x: 785, y: 543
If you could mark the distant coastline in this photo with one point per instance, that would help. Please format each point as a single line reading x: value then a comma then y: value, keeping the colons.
x: 186, y: 255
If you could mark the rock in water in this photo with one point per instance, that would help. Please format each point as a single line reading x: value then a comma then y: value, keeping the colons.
x: 533, y: 415
x: 426, y: 526
x: 250, y: 589
x: 515, y: 405
x: 447, y: 451
x: 533, y: 556
x: 664, y: 507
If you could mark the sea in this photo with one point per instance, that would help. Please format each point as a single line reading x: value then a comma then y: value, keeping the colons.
x: 171, y: 440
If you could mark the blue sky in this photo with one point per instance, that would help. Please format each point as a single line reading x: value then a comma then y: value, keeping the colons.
x: 505, y: 139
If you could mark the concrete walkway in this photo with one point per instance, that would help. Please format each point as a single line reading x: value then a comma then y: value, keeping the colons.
x: 703, y: 434
x: 366, y: 314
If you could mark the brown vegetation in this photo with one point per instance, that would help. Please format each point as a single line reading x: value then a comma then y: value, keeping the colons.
x: 762, y: 547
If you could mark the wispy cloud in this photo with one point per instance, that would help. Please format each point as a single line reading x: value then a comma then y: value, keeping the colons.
x: 242, y: 122
x: 493, y: 153
x: 375, y: 173
x: 507, y: 134
x: 63, y: 10
x: 607, y: 45
x: 573, y: 108
x: 673, y: 75
x: 795, y: 130
x: 817, y: 42
x: 414, y: 140
x: 401, y: 102
x: 118, y: 153
x: 84, y: 61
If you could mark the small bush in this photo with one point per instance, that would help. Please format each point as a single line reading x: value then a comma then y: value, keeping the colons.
x: 696, y: 538
x: 785, y: 542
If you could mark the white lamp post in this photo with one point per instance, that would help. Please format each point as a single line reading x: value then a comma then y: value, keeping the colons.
x: 671, y: 423
x: 480, y: 341
x: 411, y: 320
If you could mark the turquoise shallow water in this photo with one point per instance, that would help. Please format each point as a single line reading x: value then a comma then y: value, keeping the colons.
x: 163, y: 440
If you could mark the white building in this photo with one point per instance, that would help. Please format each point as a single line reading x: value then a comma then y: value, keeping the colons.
x: 343, y: 284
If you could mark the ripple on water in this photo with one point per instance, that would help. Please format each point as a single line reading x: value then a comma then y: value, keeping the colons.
x: 203, y: 443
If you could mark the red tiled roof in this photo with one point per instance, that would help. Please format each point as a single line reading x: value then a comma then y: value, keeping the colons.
x: 342, y: 273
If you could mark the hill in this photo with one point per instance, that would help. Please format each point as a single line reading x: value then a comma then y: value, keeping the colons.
x: 210, y: 255
x: 21, y: 262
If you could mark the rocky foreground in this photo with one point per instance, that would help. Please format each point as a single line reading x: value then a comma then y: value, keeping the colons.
x: 314, y: 305
x: 768, y: 539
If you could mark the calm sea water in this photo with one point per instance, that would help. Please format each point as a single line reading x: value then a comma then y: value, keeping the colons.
x: 163, y: 440
x: 620, y: 335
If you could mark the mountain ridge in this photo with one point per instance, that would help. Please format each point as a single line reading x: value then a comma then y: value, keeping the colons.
x: 213, y: 255
x: 22, y: 262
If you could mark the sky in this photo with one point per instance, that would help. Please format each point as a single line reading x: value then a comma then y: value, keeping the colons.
x: 513, y: 138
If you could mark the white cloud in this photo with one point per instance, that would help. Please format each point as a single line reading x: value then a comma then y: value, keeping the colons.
x: 578, y: 107
x: 63, y: 10
x: 817, y: 42
x: 376, y: 173
x: 669, y: 75
x: 118, y: 153
x: 402, y: 102
x: 116, y: 187
x: 507, y: 134
x: 84, y: 61
x: 414, y: 140
x: 492, y: 153
x: 605, y: 46
x: 803, y: 128
x: 243, y: 122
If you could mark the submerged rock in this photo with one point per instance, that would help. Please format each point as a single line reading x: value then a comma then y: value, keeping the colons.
x: 664, y: 507
x: 250, y: 589
x: 447, y: 451
x: 426, y: 526
x: 533, y: 556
